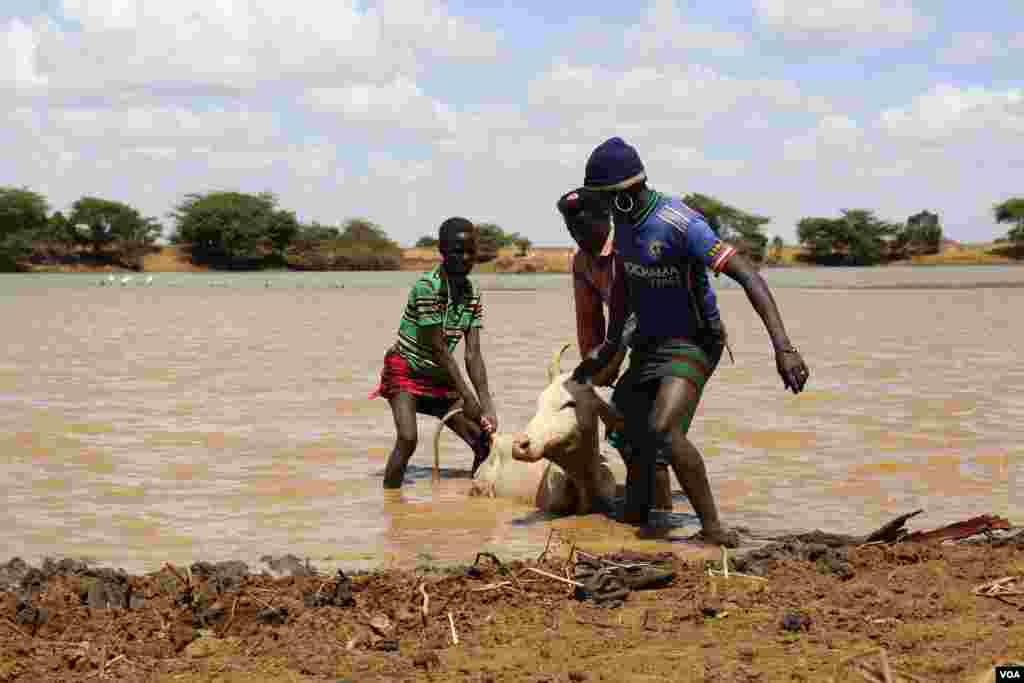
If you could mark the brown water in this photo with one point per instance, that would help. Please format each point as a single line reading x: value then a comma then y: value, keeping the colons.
x: 142, y: 425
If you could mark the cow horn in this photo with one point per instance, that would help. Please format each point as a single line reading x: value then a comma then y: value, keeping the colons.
x: 555, y: 368
x: 437, y: 441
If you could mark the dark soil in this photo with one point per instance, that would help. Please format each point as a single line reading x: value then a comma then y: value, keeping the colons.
x: 798, y: 610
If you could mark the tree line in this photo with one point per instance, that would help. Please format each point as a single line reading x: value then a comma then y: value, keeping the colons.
x: 224, y: 230
x: 234, y: 230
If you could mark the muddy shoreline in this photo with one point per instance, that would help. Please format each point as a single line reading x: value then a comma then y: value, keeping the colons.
x: 794, y: 609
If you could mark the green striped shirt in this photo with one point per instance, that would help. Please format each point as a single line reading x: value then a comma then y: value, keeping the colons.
x: 428, y: 306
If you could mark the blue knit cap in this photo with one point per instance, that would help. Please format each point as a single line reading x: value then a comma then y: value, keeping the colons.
x: 613, y: 165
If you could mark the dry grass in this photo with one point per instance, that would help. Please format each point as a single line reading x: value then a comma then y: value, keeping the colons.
x: 170, y: 259
x: 963, y: 254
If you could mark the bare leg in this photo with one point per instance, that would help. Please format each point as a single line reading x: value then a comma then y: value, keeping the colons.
x: 662, y: 488
x: 403, y: 408
x: 469, y: 432
x: 675, y: 396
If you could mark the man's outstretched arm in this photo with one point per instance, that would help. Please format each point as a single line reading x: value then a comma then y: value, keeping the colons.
x: 788, y: 361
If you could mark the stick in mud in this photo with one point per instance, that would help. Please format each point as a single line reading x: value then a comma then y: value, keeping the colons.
x: 544, y: 553
x: 886, y: 671
x: 491, y: 586
x: 554, y: 576
x: 426, y: 602
x: 451, y: 622
x: 231, y: 617
x: 610, y: 563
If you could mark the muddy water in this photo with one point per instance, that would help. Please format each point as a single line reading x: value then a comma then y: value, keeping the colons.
x: 226, y: 417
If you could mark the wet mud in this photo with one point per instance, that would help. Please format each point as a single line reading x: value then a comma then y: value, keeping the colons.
x: 808, y: 607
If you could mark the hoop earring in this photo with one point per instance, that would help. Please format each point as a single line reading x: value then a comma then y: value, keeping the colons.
x: 618, y: 198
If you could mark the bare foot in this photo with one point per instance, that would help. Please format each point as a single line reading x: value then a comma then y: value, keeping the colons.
x: 720, y: 535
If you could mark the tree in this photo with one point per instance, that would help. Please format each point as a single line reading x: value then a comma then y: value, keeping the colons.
x: 316, y: 232
x: 921, y: 235
x: 60, y: 229
x: 1012, y: 211
x: 856, y: 238
x: 234, y: 229
x: 744, y: 230
x: 523, y: 246
x: 426, y: 241
x: 362, y: 230
x: 776, y: 255
x: 491, y: 238
x: 21, y: 211
x: 100, y: 222
x: 22, y: 219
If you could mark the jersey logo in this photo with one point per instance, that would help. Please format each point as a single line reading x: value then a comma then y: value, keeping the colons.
x: 677, y: 219
x: 656, y: 248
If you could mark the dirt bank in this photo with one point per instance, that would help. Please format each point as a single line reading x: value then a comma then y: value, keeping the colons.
x: 804, y: 606
x: 536, y: 260
x: 174, y: 258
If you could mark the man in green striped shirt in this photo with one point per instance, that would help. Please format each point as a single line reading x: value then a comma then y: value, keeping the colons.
x: 420, y: 374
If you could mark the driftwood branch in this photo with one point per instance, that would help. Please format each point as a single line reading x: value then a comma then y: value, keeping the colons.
x: 892, y: 531
x: 960, y: 530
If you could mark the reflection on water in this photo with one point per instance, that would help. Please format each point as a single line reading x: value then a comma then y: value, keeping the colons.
x: 175, y: 422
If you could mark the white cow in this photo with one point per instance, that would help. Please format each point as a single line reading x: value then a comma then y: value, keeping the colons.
x: 556, y: 463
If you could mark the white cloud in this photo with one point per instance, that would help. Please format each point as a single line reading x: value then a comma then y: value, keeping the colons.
x: 649, y: 99
x: 872, y: 22
x: 949, y: 149
x: 18, y: 51
x: 949, y: 114
x: 404, y: 172
x: 664, y: 27
x: 978, y: 47
x: 191, y: 47
x: 399, y: 104
x: 672, y: 161
x: 428, y: 25
x: 833, y: 135
x: 139, y: 125
x: 477, y: 133
x: 144, y: 102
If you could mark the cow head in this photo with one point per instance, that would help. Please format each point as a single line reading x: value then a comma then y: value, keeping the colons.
x: 564, y: 426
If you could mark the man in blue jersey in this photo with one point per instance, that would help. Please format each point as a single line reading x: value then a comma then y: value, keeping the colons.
x: 662, y: 248
x: 594, y: 273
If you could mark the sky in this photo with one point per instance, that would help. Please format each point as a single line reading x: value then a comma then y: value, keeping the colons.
x: 407, y: 112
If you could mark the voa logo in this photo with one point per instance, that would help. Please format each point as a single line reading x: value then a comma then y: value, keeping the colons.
x: 1014, y: 674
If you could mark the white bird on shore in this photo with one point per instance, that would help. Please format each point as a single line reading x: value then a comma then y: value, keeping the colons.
x: 126, y: 279
x: 149, y: 280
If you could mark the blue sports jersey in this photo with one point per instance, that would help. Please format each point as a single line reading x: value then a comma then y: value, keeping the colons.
x: 665, y: 258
